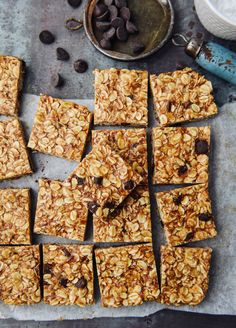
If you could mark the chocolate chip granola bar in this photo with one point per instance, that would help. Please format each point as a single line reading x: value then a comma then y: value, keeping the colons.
x: 19, y: 274
x: 129, y: 223
x: 130, y: 144
x: 15, y: 216
x: 127, y: 275
x: 11, y: 69
x: 60, y: 211
x: 180, y: 155
x: 180, y: 96
x: 14, y: 160
x: 184, y: 274
x: 121, y: 97
x: 68, y: 275
x: 186, y: 214
x: 60, y: 128
x: 104, y: 179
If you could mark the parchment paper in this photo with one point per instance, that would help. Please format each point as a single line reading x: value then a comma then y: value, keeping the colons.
x: 221, y: 298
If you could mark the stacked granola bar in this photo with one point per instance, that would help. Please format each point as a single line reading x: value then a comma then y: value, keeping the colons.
x: 110, y: 183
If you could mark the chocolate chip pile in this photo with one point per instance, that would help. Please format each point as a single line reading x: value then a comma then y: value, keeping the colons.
x: 114, y: 19
x: 46, y: 37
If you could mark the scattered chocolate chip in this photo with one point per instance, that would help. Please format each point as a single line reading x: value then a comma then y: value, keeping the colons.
x: 66, y: 252
x: 98, y: 180
x: 182, y: 170
x: 129, y: 185
x: 106, y: 44
x: 47, y: 268
x: 204, y: 217
x: 199, y: 35
x: 110, y: 205
x: 74, y: 3
x: 178, y: 200
x: 189, y: 34
x: 201, y: 146
x: 80, y: 181
x: 104, y: 16
x: 46, y: 37
x: 110, y: 34
x: 63, y: 282
x: 62, y: 54
x: 138, y: 47
x: 80, y: 66
x: 189, y: 236
x: 117, y: 22
x: 168, y: 106
x: 121, y: 3
x: 99, y: 10
x: 187, y: 104
x: 56, y: 80
x: 108, y: 2
x: 113, y: 12
x: 122, y: 34
x: 103, y: 26
x: 81, y: 283
x: 92, y: 206
x: 135, y: 195
x: 131, y: 28
x: 125, y: 13
x: 134, y: 145
x: 191, y: 24
x: 73, y: 24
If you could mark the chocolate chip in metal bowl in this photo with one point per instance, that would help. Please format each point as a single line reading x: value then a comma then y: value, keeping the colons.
x: 141, y: 27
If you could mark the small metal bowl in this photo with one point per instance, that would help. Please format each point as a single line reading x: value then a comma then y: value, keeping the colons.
x: 155, y: 20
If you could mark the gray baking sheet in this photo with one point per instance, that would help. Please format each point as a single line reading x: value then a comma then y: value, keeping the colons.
x: 221, y: 298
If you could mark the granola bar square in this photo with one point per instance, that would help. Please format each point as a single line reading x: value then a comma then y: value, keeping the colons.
x: 60, y: 211
x: 130, y: 144
x: 19, y: 278
x: 129, y: 223
x: 11, y: 69
x: 127, y: 275
x: 184, y: 274
x: 14, y: 161
x: 60, y: 128
x: 104, y: 179
x: 15, y: 216
x: 181, y: 96
x: 121, y: 97
x: 68, y: 275
x: 180, y: 155
x: 186, y: 214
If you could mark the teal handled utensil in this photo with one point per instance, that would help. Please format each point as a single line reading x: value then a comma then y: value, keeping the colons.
x: 211, y: 56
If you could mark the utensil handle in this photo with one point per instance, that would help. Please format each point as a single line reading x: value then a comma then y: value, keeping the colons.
x: 218, y: 60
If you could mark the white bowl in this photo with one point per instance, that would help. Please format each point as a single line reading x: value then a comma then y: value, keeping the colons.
x: 214, y: 21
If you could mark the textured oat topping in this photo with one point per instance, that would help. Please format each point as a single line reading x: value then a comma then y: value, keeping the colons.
x: 129, y: 223
x: 186, y: 214
x: 121, y: 97
x: 184, y: 274
x: 19, y: 274
x: 14, y: 216
x: 127, y: 275
x: 68, y: 274
x: 60, y: 128
x: 130, y: 144
x: 104, y: 179
x: 14, y: 160
x: 11, y: 69
x: 60, y: 211
x: 180, y: 96
x: 180, y: 155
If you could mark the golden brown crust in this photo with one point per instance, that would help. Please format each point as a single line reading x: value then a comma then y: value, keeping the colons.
x: 60, y: 128
x: 68, y: 275
x: 121, y: 97
x: 184, y: 274
x: 127, y: 275
x: 19, y: 274
x: 182, y: 95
